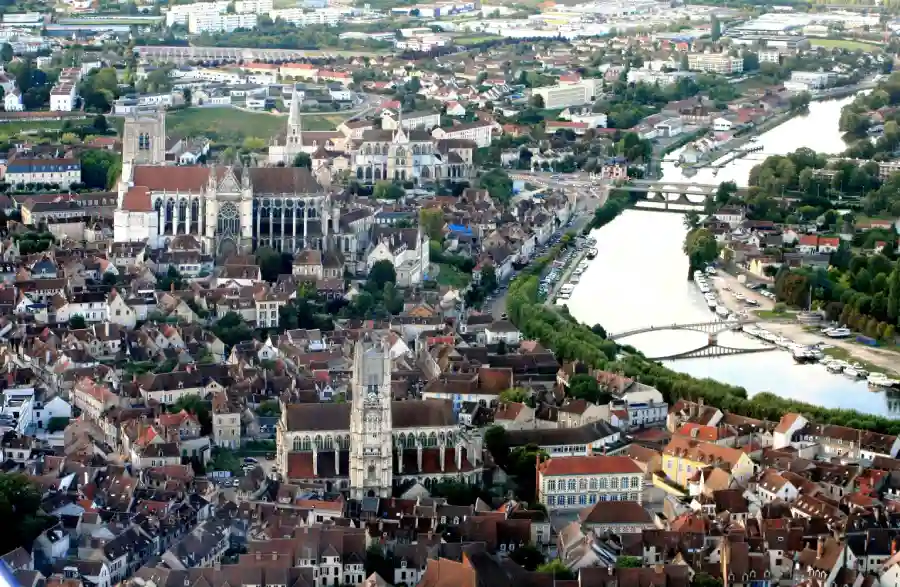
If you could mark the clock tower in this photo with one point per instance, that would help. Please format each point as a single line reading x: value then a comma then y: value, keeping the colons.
x: 371, y: 454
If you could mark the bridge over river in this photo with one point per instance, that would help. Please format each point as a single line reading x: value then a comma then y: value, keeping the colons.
x: 712, y: 348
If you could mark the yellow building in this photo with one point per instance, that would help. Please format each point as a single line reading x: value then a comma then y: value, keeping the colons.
x: 683, y: 457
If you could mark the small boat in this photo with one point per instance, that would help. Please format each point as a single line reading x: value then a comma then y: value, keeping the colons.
x: 575, y: 278
x: 841, y: 332
x: 712, y: 304
x: 851, y: 372
x: 592, y: 253
x: 882, y: 380
x: 804, y: 355
x: 722, y: 311
x: 738, y: 296
x: 836, y: 366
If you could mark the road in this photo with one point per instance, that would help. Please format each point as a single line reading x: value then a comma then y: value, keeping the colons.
x: 585, y: 204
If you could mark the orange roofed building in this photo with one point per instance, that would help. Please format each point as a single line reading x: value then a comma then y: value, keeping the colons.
x: 575, y: 482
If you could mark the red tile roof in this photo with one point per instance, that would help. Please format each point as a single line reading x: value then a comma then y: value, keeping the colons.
x: 137, y: 199
x: 589, y: 465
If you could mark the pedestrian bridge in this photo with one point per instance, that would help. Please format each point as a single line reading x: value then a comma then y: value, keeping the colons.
x: 713, y: 327
x: 712, y: 349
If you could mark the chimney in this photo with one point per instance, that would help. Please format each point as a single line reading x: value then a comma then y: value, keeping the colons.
x: 337, y: 460
x: 419, y: 456
x: 695, y: 432
x: 820, y: 547
x: 443, y: 454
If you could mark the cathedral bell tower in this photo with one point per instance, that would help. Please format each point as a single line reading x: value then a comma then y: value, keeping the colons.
x: 371, y: 454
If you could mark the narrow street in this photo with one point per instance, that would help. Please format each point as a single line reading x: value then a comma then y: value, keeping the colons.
x: 584, y: 212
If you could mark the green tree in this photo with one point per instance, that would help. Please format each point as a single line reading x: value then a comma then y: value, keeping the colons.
x: 701, y: 247
x: 172, y: 280
x: 629, y: 562
x: 893, y: 301
x: 77, y: 322
x: 488, y: 278
x: 196, y: 405
x: 382, y: 273
x: 528, y: 557
x: 387, y: 190
x: 224, y: 460
x: 271, y: 407
x: 6, y: 53
x: 515, y: 395
x: 269, y: 261
x: 231, y: 329
x: 303, y: 160
x: 20, y: 510
x: 715, y: 27
x: 495, y: 440
x: 558, y: 569
x: 95, y: 168
x: 498, y: 183
x: 432, y: 221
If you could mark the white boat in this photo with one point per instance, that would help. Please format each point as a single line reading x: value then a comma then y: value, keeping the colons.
x: 738, y: 296
x: 838, y: 332
x: 722, y: 311
x: 836, y: 366
x: 710, y: 270
x: 712, y: 304
x: 851, y: 372
x: 881, y: 380
x: 567, y: 289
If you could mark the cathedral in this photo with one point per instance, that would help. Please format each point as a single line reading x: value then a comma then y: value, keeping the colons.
x: 376, y: 154
x: 230, y: 209
x: 373, y: 445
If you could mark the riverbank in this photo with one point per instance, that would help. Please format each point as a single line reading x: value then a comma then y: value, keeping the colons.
x: 882, y: 359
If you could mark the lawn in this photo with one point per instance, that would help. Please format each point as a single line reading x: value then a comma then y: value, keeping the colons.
x: 450, y: 275
x: 847, y: 44
x: 774, y: 314
x: 474, y: 40
x: 845, y: 355
x: 232, y: 126
x: 12, y: 128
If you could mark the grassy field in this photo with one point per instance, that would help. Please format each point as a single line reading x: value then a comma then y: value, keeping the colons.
x: 476, y: 39
x: 229, y: 125
x: 450, y: 275
x: 847, y: 44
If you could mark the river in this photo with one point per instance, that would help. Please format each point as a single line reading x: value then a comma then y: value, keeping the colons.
x: 818, y: 130
x: 640, y: 278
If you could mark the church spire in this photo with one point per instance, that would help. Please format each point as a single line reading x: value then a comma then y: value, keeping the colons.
x: 295, y: 124
x: 399, y: 134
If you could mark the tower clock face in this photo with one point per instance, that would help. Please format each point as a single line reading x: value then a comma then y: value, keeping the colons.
x: 373, y: 394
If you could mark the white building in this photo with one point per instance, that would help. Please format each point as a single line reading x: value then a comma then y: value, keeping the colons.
x: 300, y: 17
x: 64, y: 172
x: 769, y: 56
x: 406, y: 248
x: 814, y: 80
x: 722, y: 125
x: 208, y: 22
x: 12, y: 102
x: 180, y: 13
x: 480, y: 132
x: 565, y: 95
x: 62, y: 98
x: 35, y: 415
x: 721, y: 63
